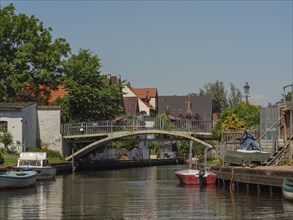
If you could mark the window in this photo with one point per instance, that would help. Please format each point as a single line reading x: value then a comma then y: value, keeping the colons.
x: 3, y: 126
x: 180, y: 110
x: 173, y: 110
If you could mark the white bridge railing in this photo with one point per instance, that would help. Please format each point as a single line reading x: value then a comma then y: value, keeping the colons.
x: 97, y: 127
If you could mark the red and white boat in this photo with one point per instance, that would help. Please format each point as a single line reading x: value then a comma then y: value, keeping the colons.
x: 192, y: 177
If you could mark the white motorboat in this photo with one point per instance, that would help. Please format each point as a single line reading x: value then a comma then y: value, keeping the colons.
x: 37, y: 161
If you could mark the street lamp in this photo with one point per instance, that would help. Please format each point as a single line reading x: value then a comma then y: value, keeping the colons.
x: 246, y: 92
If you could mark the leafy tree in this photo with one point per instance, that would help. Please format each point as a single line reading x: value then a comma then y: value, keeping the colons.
x: 221, y: 98
x: 88, y: 98
x: 154, y: 147
x: 30, y: 61
x: 217, y: 91
x: 234, y: 97
x: 241, y: 116
x: 288, y: 97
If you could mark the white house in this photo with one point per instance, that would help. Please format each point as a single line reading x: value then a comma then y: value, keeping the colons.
x: 31, y: 125
x: 140, y: 100
x: 20, y: 119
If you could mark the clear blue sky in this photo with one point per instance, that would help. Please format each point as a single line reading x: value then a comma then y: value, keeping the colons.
x: 179, y: 46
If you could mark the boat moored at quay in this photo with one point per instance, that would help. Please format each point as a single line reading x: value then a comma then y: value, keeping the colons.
x: 37, y: 161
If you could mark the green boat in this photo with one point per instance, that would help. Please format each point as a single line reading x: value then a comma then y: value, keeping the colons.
x: 287, y: 189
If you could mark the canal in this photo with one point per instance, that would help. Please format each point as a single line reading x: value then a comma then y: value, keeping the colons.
x: 137, y: 193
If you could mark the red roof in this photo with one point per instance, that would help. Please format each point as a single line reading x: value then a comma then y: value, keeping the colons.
x: 60, y: 92
x: 145, y: 93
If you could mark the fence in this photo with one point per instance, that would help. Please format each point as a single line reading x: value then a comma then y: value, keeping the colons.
x: 134, y: 125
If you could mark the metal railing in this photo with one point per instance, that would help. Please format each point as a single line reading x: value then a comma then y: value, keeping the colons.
x: 99, y: 127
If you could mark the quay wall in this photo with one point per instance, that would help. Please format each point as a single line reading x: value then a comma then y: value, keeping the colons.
x: 114, y: 164
x: 263, y: 176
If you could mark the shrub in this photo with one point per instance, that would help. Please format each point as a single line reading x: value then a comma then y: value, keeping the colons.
x: 50, y: 153
x: 1, y: 158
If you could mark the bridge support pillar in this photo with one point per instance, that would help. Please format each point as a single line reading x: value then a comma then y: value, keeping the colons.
x: 72, y: 160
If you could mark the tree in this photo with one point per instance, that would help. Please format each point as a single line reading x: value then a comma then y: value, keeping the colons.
x: 221, y: 98
x: 88, y: 98
x: 235, y: 96
x: 6, y: 138
x: 240, y: 117
x: 30, y: 61
x: 217, y: 91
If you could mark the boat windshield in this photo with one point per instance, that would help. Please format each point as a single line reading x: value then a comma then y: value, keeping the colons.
x: 29, y: 163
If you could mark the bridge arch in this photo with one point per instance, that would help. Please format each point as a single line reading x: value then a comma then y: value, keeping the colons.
x: 118, y: 135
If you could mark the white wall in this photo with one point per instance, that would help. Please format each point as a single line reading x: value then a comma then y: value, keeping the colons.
x: 14, y: 119
x: 141, y: 105
x: 49, y: 128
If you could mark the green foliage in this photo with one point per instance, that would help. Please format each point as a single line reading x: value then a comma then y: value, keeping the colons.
x: 197, y: 149
x: 287, y: 96
x: 221, y: 98
x: 1, y: 158
x: 127, y: 145
x: 30, y: 61
x: 50, y: 153
x: 217, y: 91
x: 88, y: 98
x: 233, y: 122
x: 234, y: 97
x: 153, y: 146
x: 6, y: 138
x: 247, y: 115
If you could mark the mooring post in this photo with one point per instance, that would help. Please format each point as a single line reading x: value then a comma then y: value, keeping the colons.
x: 72, y: 160
x: 258, y: 189
x: 247, y: 187
x: 190, y: 154
x: 205, y: 158
x: 271, y: 190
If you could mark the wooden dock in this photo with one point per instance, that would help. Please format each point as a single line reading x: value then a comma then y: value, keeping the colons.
x: 260, y: 177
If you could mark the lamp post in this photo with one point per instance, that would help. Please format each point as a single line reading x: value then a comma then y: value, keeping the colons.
x: 246, y: 92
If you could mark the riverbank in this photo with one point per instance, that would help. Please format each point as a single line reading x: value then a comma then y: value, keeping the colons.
x: 260, y: 177
x: 114, y: 164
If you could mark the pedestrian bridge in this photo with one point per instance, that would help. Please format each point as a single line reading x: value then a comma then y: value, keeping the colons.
x: 101, y: 132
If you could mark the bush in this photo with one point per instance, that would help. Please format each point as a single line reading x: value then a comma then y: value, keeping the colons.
x: 50, y: 153
x: 1, y: 158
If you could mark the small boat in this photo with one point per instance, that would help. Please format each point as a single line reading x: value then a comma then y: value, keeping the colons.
x: 287, y: 189
x: 37, y: 161
x: 17, y: 179
x: 195, y: 177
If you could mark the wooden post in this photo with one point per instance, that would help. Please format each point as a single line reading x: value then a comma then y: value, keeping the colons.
x: 190, y: 154
x: 72, y: 160
x: 271, y: 190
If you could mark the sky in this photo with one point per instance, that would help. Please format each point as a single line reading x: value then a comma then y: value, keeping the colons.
x: 180, y: 46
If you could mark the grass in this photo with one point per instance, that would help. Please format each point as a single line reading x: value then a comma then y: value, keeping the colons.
x: 11, y: 159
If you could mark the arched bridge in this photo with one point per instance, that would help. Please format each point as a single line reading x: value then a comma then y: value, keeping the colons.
x: 102, y: 132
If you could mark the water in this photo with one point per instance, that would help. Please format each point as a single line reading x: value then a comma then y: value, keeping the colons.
x: 138, y: 193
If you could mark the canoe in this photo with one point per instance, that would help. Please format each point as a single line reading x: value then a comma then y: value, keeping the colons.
x: 17, y: 179
x: 287, y: 189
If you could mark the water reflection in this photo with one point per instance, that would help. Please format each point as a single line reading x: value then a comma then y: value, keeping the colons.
x: 141, y: 193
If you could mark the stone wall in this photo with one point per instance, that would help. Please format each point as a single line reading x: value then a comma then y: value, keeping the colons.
x: 49, y: 121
